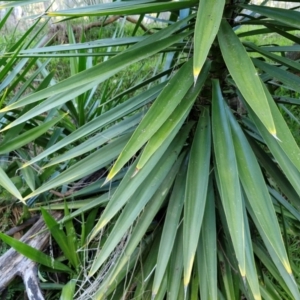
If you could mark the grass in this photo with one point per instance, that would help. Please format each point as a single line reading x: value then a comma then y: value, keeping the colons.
x: 263, y: 39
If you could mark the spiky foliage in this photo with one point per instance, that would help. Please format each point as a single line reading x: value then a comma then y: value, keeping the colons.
x: 203, y: 171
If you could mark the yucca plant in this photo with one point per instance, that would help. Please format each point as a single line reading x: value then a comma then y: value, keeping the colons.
x: 202, y: 193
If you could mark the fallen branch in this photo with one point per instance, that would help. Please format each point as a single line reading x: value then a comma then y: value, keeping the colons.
x: 14, y: 264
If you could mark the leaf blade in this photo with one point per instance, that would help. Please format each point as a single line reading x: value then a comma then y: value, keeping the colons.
x: 196, y: 190
x: 245, y: 75
x: 33, y: 254
x: 208, y: 20
x: 227, y: 173
x: 160, y: 110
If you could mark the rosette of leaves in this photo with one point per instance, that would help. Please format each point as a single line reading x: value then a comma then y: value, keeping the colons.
x: 202, y: 186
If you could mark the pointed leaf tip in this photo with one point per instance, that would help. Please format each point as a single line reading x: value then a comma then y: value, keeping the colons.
x: 243, y: 274
x: 276, y: 137
x: 106, y: 181
x: 24, y: 166
x: 135, y: 172
x: 196, y: 72
x: 288, y: 269
x: 4, y: 109
x: 5, y: 128
x: 185, y: 291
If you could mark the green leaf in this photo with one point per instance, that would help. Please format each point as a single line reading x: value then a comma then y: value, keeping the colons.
x: 175, y: 268
x: 281, y: 149
x: 278, y: 58
x: 291, y: 80
x: 252, y: 278
x: 170, y: 229
x: 227, y: 173
x: 101, y: 121
x: 68, y: 290
x: 195, y: 194
x: 268, y: 290
x: 276, y: 174
x: 161, y: 178
x: 88, y: 224
x: 60, y: 237
x: 226, y: 276
x: 208, y: 21
x: 130, y: 184
x: 29, y: 176
x: 9, y: 186
x: 145, y: 219
x: 245, y: 75
x: 278, y: 271
x: 34, y: 255
x: 285, y: 16
x: 71, y: 239
x: 158, y: 113
x: 146, y: 273
x: 69, y: 88
x: 207, y: 250
x: 175, y: 120
x: 257, y: 193
x: 95, y: 44
x: 28, y: 136
x: 84, y: 167
x: 98, y: 140
x: 131, y: 8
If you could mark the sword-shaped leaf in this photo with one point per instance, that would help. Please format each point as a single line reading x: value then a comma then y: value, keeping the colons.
x: 285, y: 157
x: 257, y: 193
x: 28, y: 136
x: 278, y: 58
x: 272, y: 168
x: 195, y: 194
x: 227, y: 172
x: 252, y: 278
x: 160, y: 178
x: 176, y: 119
x: 208, y: 21
x: 207, y: 250
x: 159, y: 112
x: 34, y: 254
x: 245, y: 75
x: 101, y: 121
x: 170, y: 229
x: 71, y: 87
x: 97, y: 140
x: 68, y: 290
x: 145, y: 219
x: 279, y: 268
x: 114, y: 8
x: 9, y: 185
x: 175, y: 283
x: 61, y: 238
x: 84, y: 167
x: 285, y: 16
x: 291, y: 80
x: 129, y: 185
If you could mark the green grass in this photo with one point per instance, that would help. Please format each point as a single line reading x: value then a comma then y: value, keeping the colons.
x: 263, y: 39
